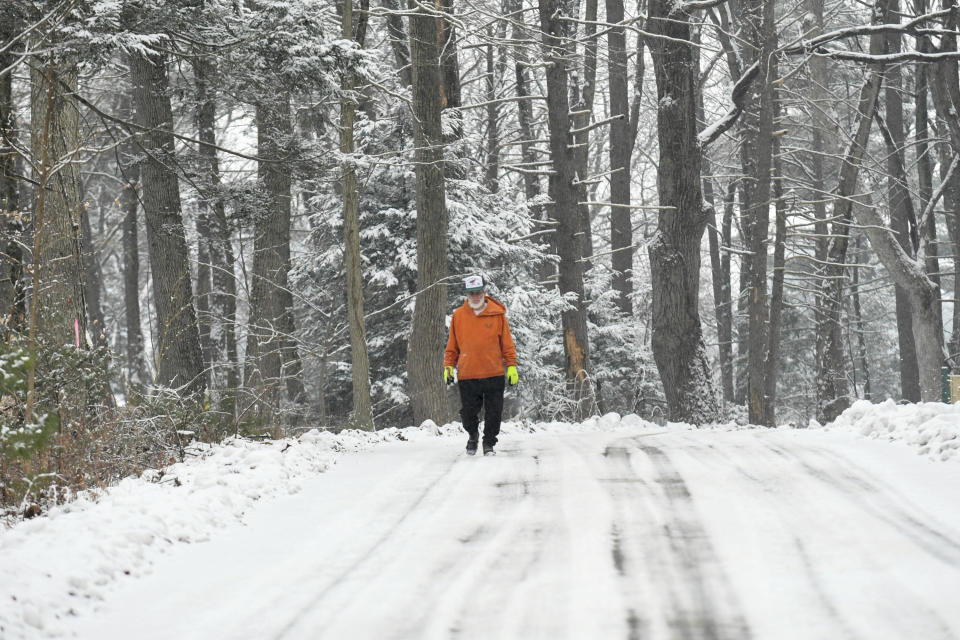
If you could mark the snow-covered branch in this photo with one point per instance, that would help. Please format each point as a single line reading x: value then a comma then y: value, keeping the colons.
x: 865, y: 30
x: 739, y: 98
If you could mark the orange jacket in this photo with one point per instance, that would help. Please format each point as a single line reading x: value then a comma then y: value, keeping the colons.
x: 480, y: 344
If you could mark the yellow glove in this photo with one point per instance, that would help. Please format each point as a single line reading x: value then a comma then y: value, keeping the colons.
x: 448, y: 374
x: 512, y: 376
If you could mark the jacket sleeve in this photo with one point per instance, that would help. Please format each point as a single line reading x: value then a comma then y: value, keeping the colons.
x: 452, y: 354
x: 507, y: 347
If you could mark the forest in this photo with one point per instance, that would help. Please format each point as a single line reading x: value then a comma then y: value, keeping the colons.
x: 225, y: 218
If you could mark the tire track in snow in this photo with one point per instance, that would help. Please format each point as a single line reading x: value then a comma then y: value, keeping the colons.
x: 770, y: 501
x: 704, y: 605
x: 881, y: 500
x: 370, y: 552
x: 670, y: 548
x: 505, y: 556
x: 839, y: 484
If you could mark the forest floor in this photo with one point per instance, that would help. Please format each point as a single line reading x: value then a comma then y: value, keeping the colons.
x: 627, y: 530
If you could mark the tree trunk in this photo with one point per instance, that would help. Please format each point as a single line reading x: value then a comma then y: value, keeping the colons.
x: 922, y: 295
x: 270, y: 335
x: 903, y: 220
x: 621, y: 148
x: 353, y: 265
x: 398, y: 41
x: 581, y: 101
x: 58, y: 263
x: 12, y: 298
x: 832, y: 389
x: 136, y: 366
x: 677, y: 340
x: 450, y: 71
x: 720, y: 269
x: 492, y: 166
x: 92, y: 280
x: 772, y: 362
x: 565, y: 196
x: 179, y: 359
x: 951, y: 205
x: 216, y: 239
x: 428, y: 332
x: 531, y: 182
x: 858, y: 318
x: 758, y: 156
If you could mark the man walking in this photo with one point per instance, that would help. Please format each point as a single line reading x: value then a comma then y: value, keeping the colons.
x: 479, y: 346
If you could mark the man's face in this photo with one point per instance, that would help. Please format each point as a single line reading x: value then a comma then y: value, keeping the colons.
x: 475, y: 298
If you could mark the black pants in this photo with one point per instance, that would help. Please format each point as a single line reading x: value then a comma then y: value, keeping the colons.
x: 486, y: 393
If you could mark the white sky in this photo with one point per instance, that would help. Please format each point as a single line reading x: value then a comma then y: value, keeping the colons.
x: 615, y: 528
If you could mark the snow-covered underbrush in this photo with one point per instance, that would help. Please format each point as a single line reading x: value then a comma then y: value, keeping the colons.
x: 60, y: 563
x: 932, y: 427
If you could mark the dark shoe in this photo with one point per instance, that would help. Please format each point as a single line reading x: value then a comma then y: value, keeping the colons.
x: 471, y: 447
x: 488, y: 450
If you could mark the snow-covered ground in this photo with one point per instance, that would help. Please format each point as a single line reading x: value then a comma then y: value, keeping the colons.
x: 610, y: 528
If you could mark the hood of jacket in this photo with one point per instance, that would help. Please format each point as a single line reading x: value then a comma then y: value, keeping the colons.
x: 493, y: 308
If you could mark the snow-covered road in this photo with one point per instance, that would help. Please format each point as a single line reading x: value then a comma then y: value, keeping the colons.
x: 642, y: 533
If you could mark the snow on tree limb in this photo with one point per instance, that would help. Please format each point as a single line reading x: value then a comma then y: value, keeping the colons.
x: 739, y: 98
x: 815, y: 45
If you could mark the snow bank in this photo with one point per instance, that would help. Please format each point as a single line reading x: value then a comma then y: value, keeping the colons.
x: 932, y: 427
x: 59, y: 564
x: 53, y: 565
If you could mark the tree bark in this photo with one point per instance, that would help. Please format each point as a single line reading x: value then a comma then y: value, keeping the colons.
x: 353, y: 265
x: 581, y: 101
x: 903, y: 220
x: 271, y: 353
x: 492, y: 165
x: 922, y: 293
x: 57, y: 306
x: 12, y: 296
x: 58, y: 261
x: 531, y: 182
x: 565, y: 195
x: 136, y: 366
x: 216, y: 238
x: 832, y: 389
x: 398, y: 41
x: 772, y: 362
x: 758, y: 156
x: 677, y: 340
x: 92, y: 280
x: 621, y: 149
x: 450, y: 71
x: 719, y: 269
x: 428, y: 332
x: 858, y: 319
x: 179, y: 359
